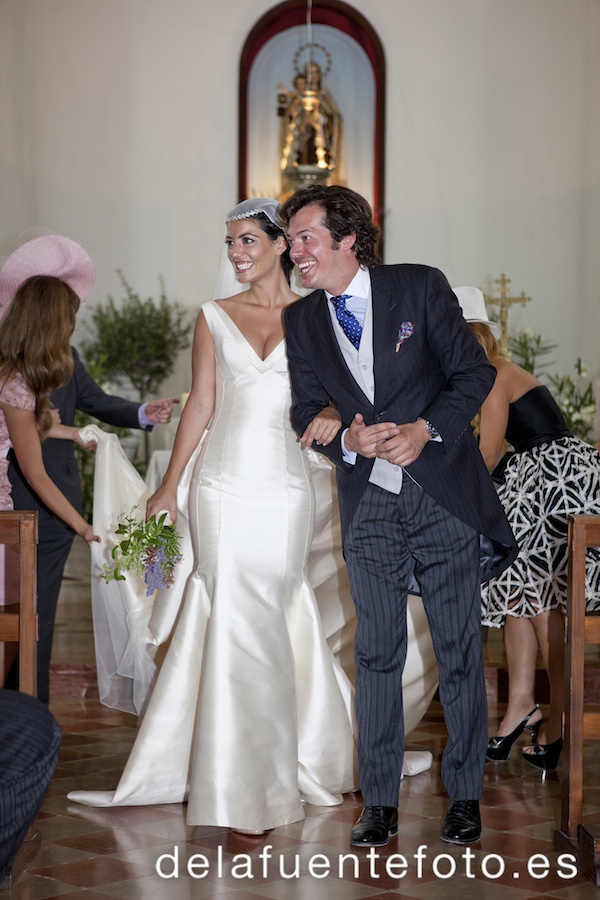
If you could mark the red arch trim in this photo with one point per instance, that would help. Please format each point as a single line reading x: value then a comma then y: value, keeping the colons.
x: 335, y: 14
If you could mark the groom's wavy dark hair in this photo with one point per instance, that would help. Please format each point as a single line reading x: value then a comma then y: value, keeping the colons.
x: 345, y: 212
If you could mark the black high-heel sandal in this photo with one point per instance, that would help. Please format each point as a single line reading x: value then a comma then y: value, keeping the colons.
x: 545, y: 756
x: 499, y: 747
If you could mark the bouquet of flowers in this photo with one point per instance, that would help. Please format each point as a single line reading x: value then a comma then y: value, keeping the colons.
x: 149, y: 549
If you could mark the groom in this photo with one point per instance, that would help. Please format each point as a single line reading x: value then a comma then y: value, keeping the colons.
x: 388, y: 346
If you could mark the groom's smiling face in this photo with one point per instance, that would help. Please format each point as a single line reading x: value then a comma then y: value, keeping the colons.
x: 322, y: 261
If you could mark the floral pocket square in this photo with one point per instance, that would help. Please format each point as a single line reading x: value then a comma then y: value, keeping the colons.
x: 406, y: 329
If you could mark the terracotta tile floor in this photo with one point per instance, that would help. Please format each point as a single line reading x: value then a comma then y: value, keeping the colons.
x: 115, y: 853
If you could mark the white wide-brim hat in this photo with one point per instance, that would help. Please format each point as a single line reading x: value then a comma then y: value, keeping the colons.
x: 472, y: 303
x: 49, y: 254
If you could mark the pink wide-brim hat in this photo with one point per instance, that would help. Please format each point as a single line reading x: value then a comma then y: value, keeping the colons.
x: 50, y: 254
x: 472, y: 303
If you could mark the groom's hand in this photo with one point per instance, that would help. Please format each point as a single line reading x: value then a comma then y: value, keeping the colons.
x: 367, y: 439
x: 406, y: 446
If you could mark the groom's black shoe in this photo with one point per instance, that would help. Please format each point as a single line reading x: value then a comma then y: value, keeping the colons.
x: 462, y: 824
x: 374, y: 826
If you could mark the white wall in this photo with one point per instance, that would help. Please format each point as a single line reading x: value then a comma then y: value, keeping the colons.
x: 118, y: 124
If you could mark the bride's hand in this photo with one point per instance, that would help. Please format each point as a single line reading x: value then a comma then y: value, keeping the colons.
x: 323, y: 427
x: 162, y: 500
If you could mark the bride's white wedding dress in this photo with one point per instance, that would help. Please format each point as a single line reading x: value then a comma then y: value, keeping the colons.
x: 250, y: 713
x: 247, y: 717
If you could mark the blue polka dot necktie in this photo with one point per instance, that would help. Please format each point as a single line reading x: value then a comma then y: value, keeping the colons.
x: 350, y: 324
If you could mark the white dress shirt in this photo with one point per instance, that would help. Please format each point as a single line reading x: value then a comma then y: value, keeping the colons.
x: 384, y: 474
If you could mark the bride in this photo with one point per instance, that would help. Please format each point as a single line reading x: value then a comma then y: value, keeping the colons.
x: 251, y: 713
x: 246, y: 718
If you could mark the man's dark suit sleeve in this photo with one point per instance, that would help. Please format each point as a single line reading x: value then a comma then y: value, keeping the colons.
x: 309, y: 396
x: 91, y: 399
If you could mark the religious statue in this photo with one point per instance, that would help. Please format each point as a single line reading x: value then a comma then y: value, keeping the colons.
x: 311, y: 132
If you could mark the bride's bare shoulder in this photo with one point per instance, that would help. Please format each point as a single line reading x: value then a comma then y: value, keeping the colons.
x: 229, y: 302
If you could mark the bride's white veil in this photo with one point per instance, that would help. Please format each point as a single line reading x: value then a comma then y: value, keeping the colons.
x: 226, y: 284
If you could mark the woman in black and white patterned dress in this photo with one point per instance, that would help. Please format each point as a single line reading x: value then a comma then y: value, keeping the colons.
x: 547, y: 476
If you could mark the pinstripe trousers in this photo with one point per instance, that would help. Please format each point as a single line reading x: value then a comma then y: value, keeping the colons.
x: 29, y: 745
x: 388, y: 534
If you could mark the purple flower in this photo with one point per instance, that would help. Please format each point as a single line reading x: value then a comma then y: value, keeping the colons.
x: 159, y: 570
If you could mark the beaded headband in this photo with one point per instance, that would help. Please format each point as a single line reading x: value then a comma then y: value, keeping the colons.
x: 253, y: 207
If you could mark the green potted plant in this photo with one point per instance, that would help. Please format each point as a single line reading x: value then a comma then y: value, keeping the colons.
x: 138, y: 340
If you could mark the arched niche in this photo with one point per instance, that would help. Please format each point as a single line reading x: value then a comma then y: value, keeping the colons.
x: 356, y: 81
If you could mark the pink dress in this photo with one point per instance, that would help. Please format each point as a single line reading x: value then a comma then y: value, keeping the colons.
x: 16, y: 393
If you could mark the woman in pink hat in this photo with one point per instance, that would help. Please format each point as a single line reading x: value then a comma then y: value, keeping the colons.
x: 41, y: 286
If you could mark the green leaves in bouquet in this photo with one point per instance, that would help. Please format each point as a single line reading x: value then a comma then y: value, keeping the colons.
x: 149, y: 549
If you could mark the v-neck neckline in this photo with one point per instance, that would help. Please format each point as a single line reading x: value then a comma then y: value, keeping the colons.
x: 242, y: 338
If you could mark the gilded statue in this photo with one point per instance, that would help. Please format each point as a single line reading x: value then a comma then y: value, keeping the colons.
x: 311, y: 133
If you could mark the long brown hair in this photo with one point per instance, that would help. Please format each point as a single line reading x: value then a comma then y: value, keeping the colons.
x: 492, y: 350
x: 484, y: 335
x: 35, y: 338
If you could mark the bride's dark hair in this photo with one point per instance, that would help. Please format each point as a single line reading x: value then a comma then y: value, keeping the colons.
x: 273, y: 232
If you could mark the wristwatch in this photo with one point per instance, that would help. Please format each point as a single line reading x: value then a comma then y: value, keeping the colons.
x: 432, y: 432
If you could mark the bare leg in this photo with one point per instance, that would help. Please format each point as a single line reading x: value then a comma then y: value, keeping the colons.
x: 521, y: 647
x: 549, y: 629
